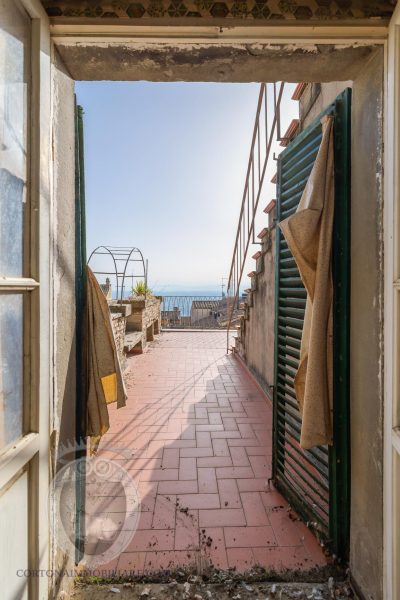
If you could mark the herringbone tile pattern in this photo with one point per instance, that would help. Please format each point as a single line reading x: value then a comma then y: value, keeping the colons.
x: 199, y: 435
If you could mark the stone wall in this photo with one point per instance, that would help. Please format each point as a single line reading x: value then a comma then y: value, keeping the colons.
x: 259, y: 331
x: 118, y: 322
x: 256, y: 339
x: 145, y: 316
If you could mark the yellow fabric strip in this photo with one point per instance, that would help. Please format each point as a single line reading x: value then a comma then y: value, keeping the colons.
x: 109, y: 383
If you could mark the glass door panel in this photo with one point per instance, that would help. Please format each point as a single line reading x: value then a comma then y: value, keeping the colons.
x: 14, y: 123
x: 11, y: 368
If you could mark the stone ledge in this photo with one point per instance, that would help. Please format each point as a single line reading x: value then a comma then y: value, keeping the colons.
x: 123, y: 309
x: 134, y: 343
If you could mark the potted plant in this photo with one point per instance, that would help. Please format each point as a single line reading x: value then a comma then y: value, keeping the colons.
x: 141, y: 289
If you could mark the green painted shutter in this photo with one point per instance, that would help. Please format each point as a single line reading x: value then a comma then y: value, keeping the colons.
x: 315, y: 481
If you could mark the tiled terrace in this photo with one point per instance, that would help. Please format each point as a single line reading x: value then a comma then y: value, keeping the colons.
x: 198, y: 431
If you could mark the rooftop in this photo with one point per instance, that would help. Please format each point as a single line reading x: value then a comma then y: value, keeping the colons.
x: 206, y: 304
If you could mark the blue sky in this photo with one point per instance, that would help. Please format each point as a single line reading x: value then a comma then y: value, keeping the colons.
x: 165, y: 166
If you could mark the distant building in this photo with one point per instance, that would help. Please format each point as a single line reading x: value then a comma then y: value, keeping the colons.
x: 106, y: 289
x: 171, y: 317
x: 202, y: 309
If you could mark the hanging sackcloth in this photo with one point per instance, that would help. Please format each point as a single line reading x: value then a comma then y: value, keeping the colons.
x: 308, y: 233
x: 105, y: 382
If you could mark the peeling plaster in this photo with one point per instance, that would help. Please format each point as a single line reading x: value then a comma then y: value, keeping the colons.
x: 234, y: 62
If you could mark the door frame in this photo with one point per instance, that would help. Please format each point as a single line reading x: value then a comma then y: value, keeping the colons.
x: 31, y: 452
x: 391, y: 476
x: 73, y: 33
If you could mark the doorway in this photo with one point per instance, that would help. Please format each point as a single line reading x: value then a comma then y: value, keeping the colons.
x: 361, y: 363
x: 360, y: 315
x: 196, y: 432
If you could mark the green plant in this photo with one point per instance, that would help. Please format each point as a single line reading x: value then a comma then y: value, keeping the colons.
x: 141, y: 289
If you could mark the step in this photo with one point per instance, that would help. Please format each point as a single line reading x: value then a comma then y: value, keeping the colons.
x: 257, y: 255
x: 275, y: 178
x: 133, y: 342
x: 252, y: 274
x: 263, y: 233
x: 298, y: 90
x: 270, y: 206
x: 290, y: 132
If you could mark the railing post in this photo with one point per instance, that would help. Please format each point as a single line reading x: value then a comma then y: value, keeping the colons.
x: 242, y: 241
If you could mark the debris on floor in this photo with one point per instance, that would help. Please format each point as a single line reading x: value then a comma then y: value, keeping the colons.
x: 230, y: 589
x: 215, y: 584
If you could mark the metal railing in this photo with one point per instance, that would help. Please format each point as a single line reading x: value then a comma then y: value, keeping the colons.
x: 267, y: 129
x: 194, y: 312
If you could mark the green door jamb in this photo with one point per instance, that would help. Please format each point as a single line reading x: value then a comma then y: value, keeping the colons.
x: 339, y: 454
x: 80, y: 300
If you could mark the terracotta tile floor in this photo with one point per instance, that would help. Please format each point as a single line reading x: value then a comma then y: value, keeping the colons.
x: 198, y: 435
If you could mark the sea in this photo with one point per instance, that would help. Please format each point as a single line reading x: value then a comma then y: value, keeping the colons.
x: 165, y: 291
x: 182, y: 297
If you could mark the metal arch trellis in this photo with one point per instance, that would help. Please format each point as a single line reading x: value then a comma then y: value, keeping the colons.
x: 124, y: 256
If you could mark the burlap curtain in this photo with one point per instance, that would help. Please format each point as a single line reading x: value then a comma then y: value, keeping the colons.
x: 308, y: 233
x: 104, y: 372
